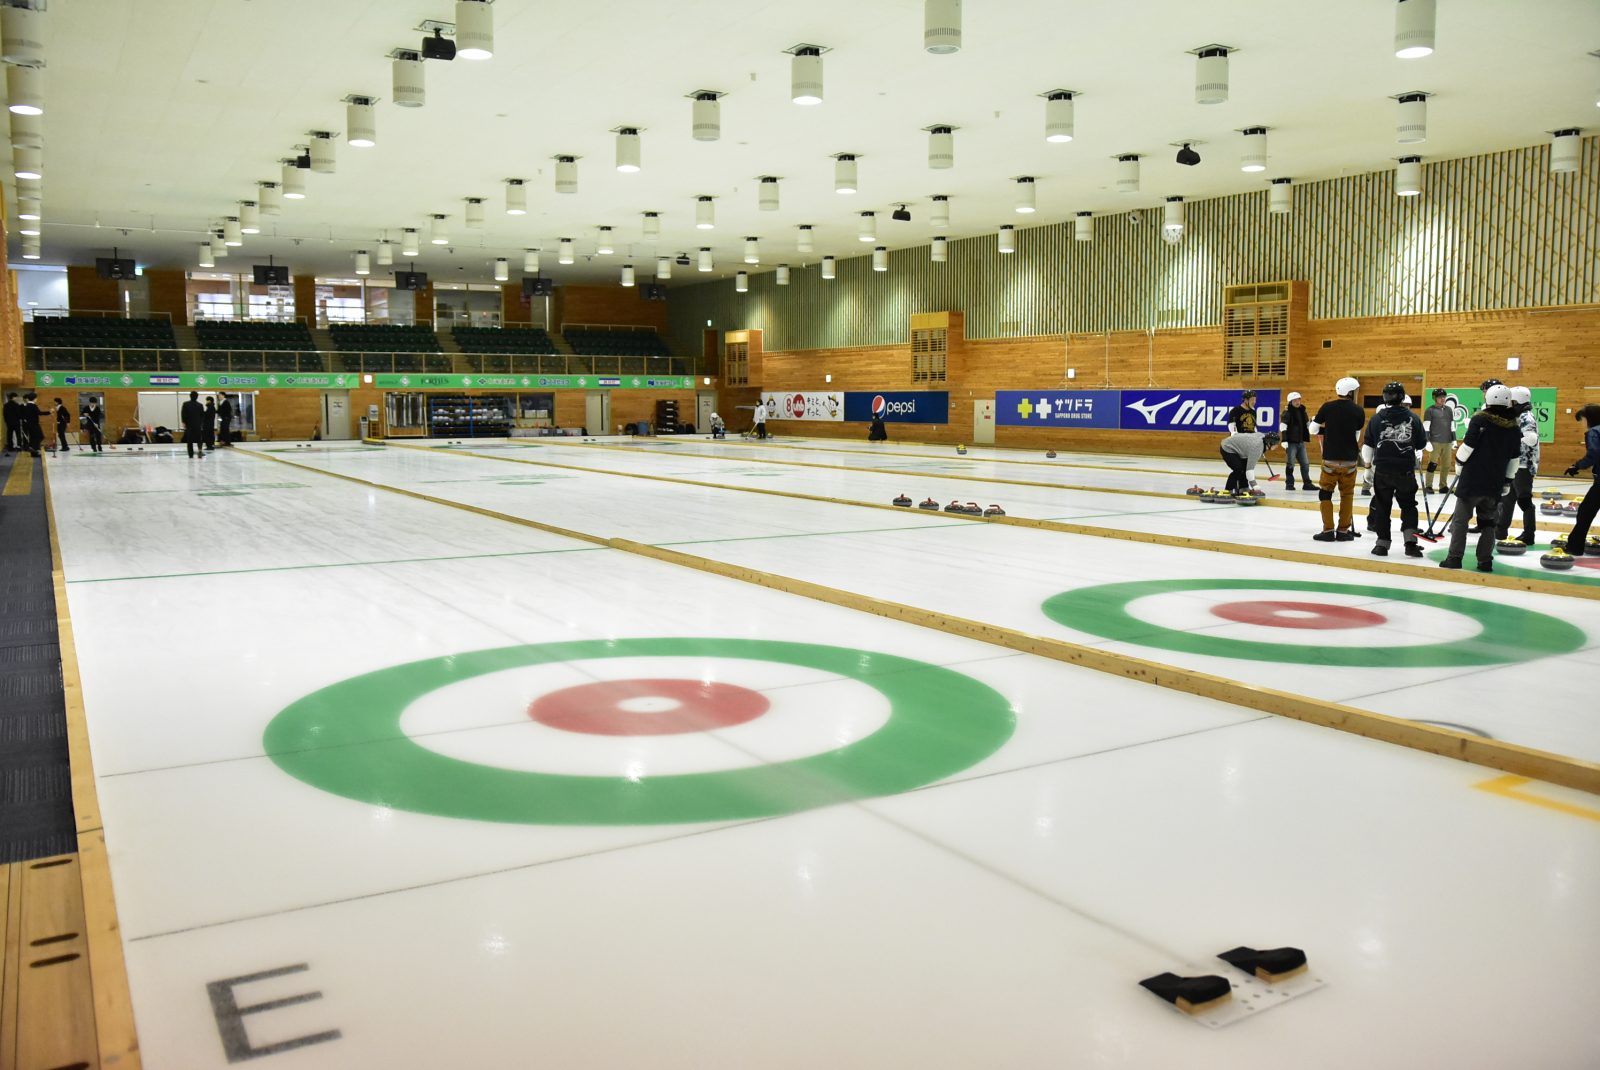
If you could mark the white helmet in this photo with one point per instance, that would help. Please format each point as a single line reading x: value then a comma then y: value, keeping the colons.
x: 1406, y: 402
x: 1498, y: 395
x: 1522, y: 395
x: 1294, y: 395
x: 1346, y: 385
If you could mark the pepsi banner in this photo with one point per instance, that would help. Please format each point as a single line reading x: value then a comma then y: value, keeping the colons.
x: 898, y: 407
x: 1058, y: 408
x: 1193, y: 410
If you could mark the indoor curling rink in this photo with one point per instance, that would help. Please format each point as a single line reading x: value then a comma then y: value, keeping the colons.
x: 390, y: 779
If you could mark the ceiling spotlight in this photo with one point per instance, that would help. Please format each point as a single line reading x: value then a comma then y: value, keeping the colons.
x: 663, y: 267
x: 206, y: 259
x: 706, y: 115
x: 294, y: 181
x: 1008, y: 239
x: 1128, y: 173
x: 802, y: 242
x: 604, y: 245
x: 516, y: 197
x: 409, y: 88
x: 385, y: 253
x: 474, y: 29
x: 869, y: 227
x: 1413, y: 29
x: 1083, y: 227
x: 408, y: 242
x: 25, y: 90
x: 566, y: 174
x: 805, y: 74
x: 651, y: 229
x: 939, y: 214
x: 564, y: 253
x: 21, y: 30
x: 268, y: 198
x: 474, y: 213
x: 438, y: 46
x: 322, y: 157
x: 941, y: 26
x: 1566, y: 147
x: 28, y: 207
x: 901, y: 215
x: 530, y: 261
x: 1058, y: 115
x: 1187, y: 156
x: 1211, y: 74
x: 232, y: 237
x: 363, y: 262
x: 1025, y: 196
x: 880, y: 258
x: 1172, y: 221
x: 781, y: 276
x: 705, y: 213
x: 705, y: 259
x: 1280, y: 196
x: 1408, y: 177
x: 30, y: 248
x: 249, y: 217
x: 502, y: 269
x: 26, y: 129
x: 741, y: 282
x: 438, y: 230
x: 27, y: 162
x: 1254, y: 157
x: 827, y: 267
x: 767, y: 194
x: 29, y: 228
x: 360, y: 122
x: 939, y: 250
x: 627, y: 149
x: 627, y: 274
x: 1411, y: 118
x: 844, y: 173
x: 941, y: 147
x: 752, y: 250
x: 219, y: 248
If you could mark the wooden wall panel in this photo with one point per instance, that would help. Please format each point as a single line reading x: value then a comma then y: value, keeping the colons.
x: 168, y: 290
x: 10, y: 321
x: 87, y: 291
x: 611, y: 304
x: 514, y: 308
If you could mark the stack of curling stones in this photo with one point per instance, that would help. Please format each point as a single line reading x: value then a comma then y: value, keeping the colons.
x: 1510, y: 547
x: 970, y: 509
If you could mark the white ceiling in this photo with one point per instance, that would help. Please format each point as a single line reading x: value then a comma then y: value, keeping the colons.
x: 160, y: 116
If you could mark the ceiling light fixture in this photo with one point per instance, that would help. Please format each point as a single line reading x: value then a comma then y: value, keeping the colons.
x: 627, y: 149
x: 30, y: 248
x: 322, y: 155
x: 781, y: 276
x: 939, y: 214
x: 1408, y: 176
x: 26, y: 129
x: 1058, y: 115
x: 530, y: 261
x: 1172, y: 221
x: 232, y: 237
x: 767, y: 194
x: 741, y: 282
x: 502, y: 269
x: 206, y: 260
x: 1083, y: 227
x: 869, y: 227
x: 474, y: 29
x: 880, y: 258
x: 604, y: 245
x: 219, y: 248
x: 1413, y: 28
x: 1211, y: 74
x: 752, y: 250
x: 805, y: 74
x: 268, y: 198
x: 408, y: 242
x: 294, y: 181
x: 385, y: 253
x: 705, y: 259
x: 566, y: 174
x: 627, y: 275
x: 1254, y: 156
x: 29, y: 228
x: 939, y: 250
x: 516, y: 197
x: 705, y: 213
x: 474, y: 213
x: 407, y: 80
x: 663, y: 267
x: 27, y: 162
x: 844, y: 173
x: 706, y: 115
x: 29, y: 207
x: 25, y: 90
x: 651, y: 228
x: 1008, y: 239
x: 564, y: 252
x: 21, y: 29
x: 363, y: 262
x: 802, y: 241
x: 1566, y: 148
x: 360, y: 122
x: 438, y: 230
x: 249, y: 217
x: 941, y: 147
x: 1025, y: 203
x: 941, y: 26
x: 828, y: 267
x: 1128, y: 173
x: 1411, y: 118
x: 1280, y: 196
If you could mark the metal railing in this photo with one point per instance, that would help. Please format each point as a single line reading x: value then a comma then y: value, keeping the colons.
x: 29, y: 314
x: 107, y: 359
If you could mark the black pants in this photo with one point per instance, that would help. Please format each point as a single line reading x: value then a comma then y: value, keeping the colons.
x: 1586, y: 511
x: 32, y: 438
x: 61, y: 438
x: 225, y: 435
x: 95, y: 438
x: 13, y: 437
x: 1393, y: 487
x: 761, y: 430
x: 195, y: 441
x: 1521, y: 496
x: 1237, y: 480
x: 1481, y: 507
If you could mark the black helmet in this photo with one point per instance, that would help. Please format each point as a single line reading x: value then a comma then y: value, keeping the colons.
x: 1487, y: 383
x: 1393, y: 393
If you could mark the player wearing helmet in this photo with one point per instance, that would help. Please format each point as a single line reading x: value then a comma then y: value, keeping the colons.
x: 1527, y: 468
x: 1489, y: 455
x: 1293, y: 427
x: 1339, y: 423
x: 1393, y: 444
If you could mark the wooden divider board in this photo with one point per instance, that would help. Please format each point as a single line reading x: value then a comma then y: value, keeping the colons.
x: 47, y: 1012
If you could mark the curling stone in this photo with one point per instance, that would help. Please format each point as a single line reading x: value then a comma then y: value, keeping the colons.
x: 955, y: 507
x: 994, y: 510
x: 1550, y: 495
x: 1211, y: 497
x: 1247, y: 499
x: 1552, y: 509
x: 1558, y: 561
x: 1195, y: 491
x: 1050, y: 454
x: 1257, y: 493
x: 962, y: 450
x: 1570, y: 509
x: 928, y: 503
x: 903, y: 501
x: 1510, y: 548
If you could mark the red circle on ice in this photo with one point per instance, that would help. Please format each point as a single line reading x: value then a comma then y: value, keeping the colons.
x: 1314, y: 616
x: 647, y: 707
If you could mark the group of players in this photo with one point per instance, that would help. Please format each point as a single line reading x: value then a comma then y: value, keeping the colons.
x: 1497, y: 459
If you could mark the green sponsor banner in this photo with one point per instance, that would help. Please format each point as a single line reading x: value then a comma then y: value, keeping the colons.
x: 1467, y: 400
x: 475, y: 381
x: 197, y: 380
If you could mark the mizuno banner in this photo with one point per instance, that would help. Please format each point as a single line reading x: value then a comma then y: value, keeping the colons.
x: 1193, y: 410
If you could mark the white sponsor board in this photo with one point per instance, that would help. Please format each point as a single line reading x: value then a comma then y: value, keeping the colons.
x: 804, y: 406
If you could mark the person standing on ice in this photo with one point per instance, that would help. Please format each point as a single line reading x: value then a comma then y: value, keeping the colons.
x: 1521, y: 495
x: 1242, y: 417
x: 1488, y: 457
x: 718, y: 428
x: 759, y: 428
x: 1577, y: 542
x: 193, y: 417
x: 1339, y: 424
x: 1440, y: 423
x: 1392, y: 448
x: 1296, y: 438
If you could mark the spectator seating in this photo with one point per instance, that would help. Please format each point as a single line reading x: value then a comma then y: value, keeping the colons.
x: 605, y: 342
x: 105, y: 344
x: 249, y: 345
x: 507, y: 340
x: 383, y: 338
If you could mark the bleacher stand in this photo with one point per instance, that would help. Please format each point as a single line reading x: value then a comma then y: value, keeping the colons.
x: 504, y: 349
x: 256, y: 346
x: 603, y: 342
x: 92, y: 343
x: 382, y: 347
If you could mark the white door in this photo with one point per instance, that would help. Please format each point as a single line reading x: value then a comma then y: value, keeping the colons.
x: 704, y: 406
x: 597, y: 413
x: 983, y: 422
x: 335, y: 414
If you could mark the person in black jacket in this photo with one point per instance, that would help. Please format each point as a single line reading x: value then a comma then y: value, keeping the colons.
x: 1296, y: 437
x: 1392, y: 445
x: 211, y: 424
x: 1339, y: 423
x: 1488, y: 455
x: 93, y: 424
x: 193, y: 417
x: 32, y: 432
x: 13, y: 422
x: 1577, y: 542
x: 225, y: 418
x: 63, y: 424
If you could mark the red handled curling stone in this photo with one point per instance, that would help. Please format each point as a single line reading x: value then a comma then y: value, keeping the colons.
x: 973, y: 509
x: 903, y: 501
x: 929, y: 503
x: 1195, y: 490
x: 994, y: 510
x: 1051, y: 454
x: 955, y: 507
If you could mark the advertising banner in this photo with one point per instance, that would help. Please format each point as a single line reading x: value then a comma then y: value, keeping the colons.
x: 473, y: 381
x: 898, y: 407
x: 199, y: 380
x: 1058, y: 408
x: 1193, y: 410
x: 800, y: 405
x: 1467, y: 400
